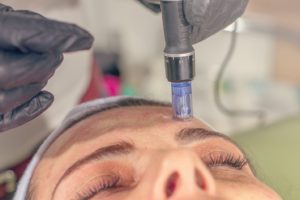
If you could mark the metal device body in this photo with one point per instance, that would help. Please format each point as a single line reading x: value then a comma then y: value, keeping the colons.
x: 179, y: 57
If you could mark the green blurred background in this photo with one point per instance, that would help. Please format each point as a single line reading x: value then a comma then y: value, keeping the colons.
x: 274, y: 151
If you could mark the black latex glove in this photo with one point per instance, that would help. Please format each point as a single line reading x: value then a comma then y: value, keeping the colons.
x: 206, y: 17
x: 31, y: 49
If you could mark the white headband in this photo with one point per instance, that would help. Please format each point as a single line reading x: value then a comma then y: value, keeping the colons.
x: 78, y: 113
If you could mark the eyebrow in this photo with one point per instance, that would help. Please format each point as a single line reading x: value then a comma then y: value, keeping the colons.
x: 190, y: 135
x: 122, y: 148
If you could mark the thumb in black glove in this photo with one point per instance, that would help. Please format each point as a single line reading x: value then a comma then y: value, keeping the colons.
x: 207, y: 17
x: 31, y: 49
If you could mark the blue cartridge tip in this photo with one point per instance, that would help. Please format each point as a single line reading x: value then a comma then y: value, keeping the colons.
x: 182, y: 100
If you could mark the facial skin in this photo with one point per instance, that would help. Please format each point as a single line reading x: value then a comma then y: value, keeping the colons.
x: 141, y: 153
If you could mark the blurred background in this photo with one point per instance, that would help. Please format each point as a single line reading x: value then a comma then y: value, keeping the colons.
x: 259, y: 90
x: 263, y: 74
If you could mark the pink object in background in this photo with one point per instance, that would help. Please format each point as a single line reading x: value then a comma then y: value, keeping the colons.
x: 94, y: 89
x: 112, y: 85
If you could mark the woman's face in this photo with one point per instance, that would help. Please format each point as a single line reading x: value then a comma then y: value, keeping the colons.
x: 142, y: 153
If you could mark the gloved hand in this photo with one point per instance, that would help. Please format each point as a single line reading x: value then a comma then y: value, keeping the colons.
x: 31, y: 49
x: 206, y: 17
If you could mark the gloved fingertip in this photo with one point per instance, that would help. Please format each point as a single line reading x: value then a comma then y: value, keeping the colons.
x: 45, y: 99
x: 78, y: 43
x: 26, y: 112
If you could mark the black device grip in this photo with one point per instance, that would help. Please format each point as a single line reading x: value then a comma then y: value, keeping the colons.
x: 176, y: 28
x: 179, y: 52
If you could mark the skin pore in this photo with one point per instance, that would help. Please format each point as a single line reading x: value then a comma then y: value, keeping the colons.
x: 142, y: 153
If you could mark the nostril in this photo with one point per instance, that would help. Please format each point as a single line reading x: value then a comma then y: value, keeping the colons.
x: 172, y: 184
x: 199, y: 180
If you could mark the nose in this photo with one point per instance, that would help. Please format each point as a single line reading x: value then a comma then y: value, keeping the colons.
x: 180, y: 175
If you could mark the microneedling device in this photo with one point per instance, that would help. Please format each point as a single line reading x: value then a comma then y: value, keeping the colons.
x: 179, y: 57
x: 180, y: 37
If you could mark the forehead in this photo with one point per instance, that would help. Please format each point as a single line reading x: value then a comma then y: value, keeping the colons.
x: 150, y: 127
x: 123, y: 122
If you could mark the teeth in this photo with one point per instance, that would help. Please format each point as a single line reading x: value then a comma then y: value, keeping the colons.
x: 182, y: 100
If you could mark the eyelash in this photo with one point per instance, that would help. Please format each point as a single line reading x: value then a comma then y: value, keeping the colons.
x: 107, y: 183
x: 228, y: 160
x: 114, y: 181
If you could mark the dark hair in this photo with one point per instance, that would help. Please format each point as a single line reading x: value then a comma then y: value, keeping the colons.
x: 134, y: 102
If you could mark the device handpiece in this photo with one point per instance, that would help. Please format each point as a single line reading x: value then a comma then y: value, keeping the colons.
x: 182, y: 101
x: 179, y: 57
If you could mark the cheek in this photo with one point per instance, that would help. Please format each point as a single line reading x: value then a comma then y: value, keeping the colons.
x: 245, y: 191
